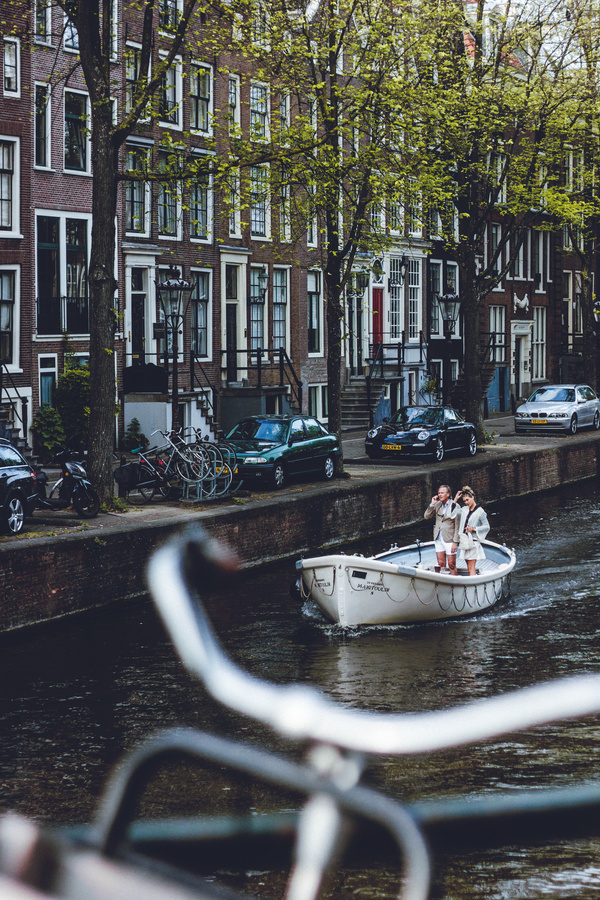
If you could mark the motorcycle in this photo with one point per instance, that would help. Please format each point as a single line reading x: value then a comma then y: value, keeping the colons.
x: 72, y: 489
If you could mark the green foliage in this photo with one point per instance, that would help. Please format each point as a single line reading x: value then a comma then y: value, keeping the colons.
x: 72, y: 398
x: 48, y: 433
x: 134, y: 436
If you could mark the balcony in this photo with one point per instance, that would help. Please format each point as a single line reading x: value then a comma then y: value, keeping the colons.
x: 57, y: 315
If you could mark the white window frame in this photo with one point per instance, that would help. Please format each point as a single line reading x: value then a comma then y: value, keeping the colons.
x: 497, y: 320
x: 196, y: 239
x: 15, y: 229
x: 285, y: 270
x: 435, y: 316
x: 538, y: 344
x: 319, y: 392
x: 43, y: 12
x: 71, y: 36
x: 86, y: 126
x: 235, y: 217
x: 233, y: 84
x: 133, y: 48
x: 263, y: 133
x: 144, y: 231
x: 258, y: 306
x: 174, y: 72
x: 53, y: 369
x: 414, y: 298
x: 195, y: 68
x: 259, y: 24
x: 259, y: 235
x: 319, y: 295
x: 16, y: 93
x: 396, y: 301
x: 168, y: 32
x: 47, y: 123
x: 195, y: 272
x: 178, y: 234
x: 15, y: 365
x: 62, y: 216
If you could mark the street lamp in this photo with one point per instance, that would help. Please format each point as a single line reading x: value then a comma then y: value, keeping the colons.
x: 174, y: 295
x: 450, y: 308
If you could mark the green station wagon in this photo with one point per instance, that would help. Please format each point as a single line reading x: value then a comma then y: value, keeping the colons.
x: 273, y: 449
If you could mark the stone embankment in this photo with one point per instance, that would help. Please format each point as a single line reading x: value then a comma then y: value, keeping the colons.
x: 46, y: 577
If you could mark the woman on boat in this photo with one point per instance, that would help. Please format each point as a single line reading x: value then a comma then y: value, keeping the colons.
x: 474, y: 523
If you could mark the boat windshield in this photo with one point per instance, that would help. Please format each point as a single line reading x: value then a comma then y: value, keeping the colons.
x: 409, y: 416
x: 553, y: 395
x: 260, y: 430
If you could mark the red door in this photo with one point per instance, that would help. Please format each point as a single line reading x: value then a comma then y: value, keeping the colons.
x: 377, y: 317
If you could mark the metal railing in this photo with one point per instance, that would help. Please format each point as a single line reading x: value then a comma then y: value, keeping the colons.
x: 56, y: 315
x: 10, y: 402
x: 260, y: 361
x: 382, y: 358
x: 198, y: 376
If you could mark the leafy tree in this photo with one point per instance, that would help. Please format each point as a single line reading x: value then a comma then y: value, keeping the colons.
x: 48, y: 432
x: 72, y: 397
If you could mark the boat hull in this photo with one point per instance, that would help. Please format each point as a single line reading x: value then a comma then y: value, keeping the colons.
x: 402, y: 586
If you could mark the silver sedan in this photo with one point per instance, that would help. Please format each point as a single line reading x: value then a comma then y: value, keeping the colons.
x: 559, y: 407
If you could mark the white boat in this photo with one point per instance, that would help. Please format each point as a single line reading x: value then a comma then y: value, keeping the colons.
x: 401, y: 585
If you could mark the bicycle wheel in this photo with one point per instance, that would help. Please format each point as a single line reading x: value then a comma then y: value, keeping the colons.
x: 224, y: 477
x: 190, y: 470
x: 147, y: 484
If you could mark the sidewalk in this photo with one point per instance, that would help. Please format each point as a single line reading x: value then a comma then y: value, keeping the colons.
x: 48, y: 524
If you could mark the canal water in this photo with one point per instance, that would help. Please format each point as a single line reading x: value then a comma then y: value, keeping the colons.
x: 76, y: 695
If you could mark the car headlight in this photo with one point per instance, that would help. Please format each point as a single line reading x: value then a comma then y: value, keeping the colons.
x: 521, y: 415
x: 373, y: 432
x: 423, y: 436
x: 559, y: 415
x: 255, y: 460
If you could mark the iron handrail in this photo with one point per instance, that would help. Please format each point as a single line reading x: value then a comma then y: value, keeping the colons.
x: 6, y: 373
x: 196, y: 364
x: 276, y: 356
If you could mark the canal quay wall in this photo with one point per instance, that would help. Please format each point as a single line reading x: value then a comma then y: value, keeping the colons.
x: 49, y: 577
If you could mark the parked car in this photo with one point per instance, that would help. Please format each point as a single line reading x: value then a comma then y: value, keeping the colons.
x: 274, y: 448
x: 18, y: 488
x: 422, y: 431
x: 559, y: 407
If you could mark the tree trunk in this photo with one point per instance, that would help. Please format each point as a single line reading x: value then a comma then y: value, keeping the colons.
x: 334, y: 352
x: 102, y: 311
x: 471, y: 340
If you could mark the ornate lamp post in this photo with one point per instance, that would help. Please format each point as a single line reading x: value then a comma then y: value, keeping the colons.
x: 450, y: 308
x: 174, y: 295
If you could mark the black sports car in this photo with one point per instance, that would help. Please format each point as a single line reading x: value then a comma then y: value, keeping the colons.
x: 421, y: 431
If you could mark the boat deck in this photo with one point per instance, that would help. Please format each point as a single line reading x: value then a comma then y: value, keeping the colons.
x: 424, y: 557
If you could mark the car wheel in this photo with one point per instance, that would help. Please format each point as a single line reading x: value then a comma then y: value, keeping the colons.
x: 278, y: 476
x: 14, y: 515
x: 328, y: 468
x: 472, y: 445
x: 439, y: 451
x: 596, y: 420
x: 573, y: 425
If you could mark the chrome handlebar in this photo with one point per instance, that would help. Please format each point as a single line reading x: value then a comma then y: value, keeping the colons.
x: 304, y: 713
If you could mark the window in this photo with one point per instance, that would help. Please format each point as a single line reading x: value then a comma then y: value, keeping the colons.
x: 42, y: 22
x: 318, y: 402
x: 133, y: 75
x: 170, y: 95
x: 76, y: 132
x: 234, y: 205
x: 259, y: 111
x: 495, y: 251
x: 260, y: 23
x: 12, y: 80
x: 259, y: 201
x: 313, y: 289
x: 497, y: 176
x: 396, y: 298
x: 42, y: 125
x: 395, y: 216
x: 435, y: 286
x: 578, y: 317
x: 9, y: 187
x: 284, y: 116
x: 280, y: 299
x: 7, y: 315
x: 200, y: 209
x: 137, y: 193
x: 48, y: 368
x: 538, y: 343
x: 168, y: 202
x: 257, y: 310
x: 168, y: 15
x: 518, y: 253
x: 498, y: 330
x: 62, y: 274
x: 200, y: 312
x: 414, y: 299
x: 71, y: 37
x: 200, y: 98
x: 285, y: 223
x: 537, y: 261
x: 234, y: 102
x: 574, y: 170
x: 414, y: 223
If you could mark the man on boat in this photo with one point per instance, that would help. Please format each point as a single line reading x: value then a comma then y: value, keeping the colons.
x: 445, y: 528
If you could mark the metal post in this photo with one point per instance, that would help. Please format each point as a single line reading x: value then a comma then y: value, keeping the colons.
x: 174, y: 383
x: 447, y: 377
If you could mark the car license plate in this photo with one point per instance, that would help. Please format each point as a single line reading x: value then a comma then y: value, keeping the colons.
x: 539, y: 421
x: 391, y: 446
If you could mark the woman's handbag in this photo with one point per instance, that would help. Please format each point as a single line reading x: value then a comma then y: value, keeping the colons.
x: 465, y: 541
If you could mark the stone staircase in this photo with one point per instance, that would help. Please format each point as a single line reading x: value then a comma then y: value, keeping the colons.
x: 459, y: 393
x: 10, y: 433
x: 355, y: 408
